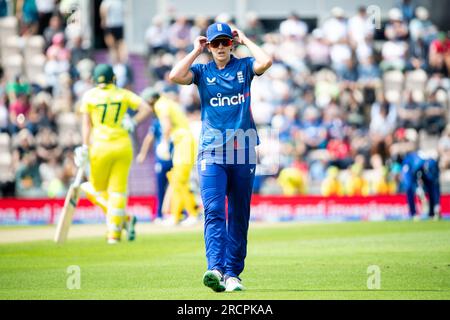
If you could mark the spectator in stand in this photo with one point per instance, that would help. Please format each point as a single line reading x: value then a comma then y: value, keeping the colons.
x: 356, y: 184
x: 254, y: 29
x: 326, y: 87
x: 58, y: 62
x: 342, y: 60
x: 317, y: 51
x: 439, y: 57
x: 381, y: 184
x: 4, y: 118
x: 52, y: 179
x: 312, y: 131
x: 368, y: 71
x: 407, y: 8
x: 58, y: 48
x: 292, y: 181
x: 19, y: 103
x: 180, y: 35
x: 47, y: 145
x: 55, y: 27
x: 41, y: 115
x: 422, y: 28
x: 45, y: 10
x: 22, y: 143
x: 410, y: 113
x: 84, y: 69
x: 417, y: 56
x: 383, y: 118
x: 331, y: 186
x: 338, y: 146
x: 405, y: 141
x: 157, y: 36
x: 339, y: 151
x: 434, y: 115
x: 335, y: 28
x: 2, y: 80
x: 28, y: 15
x: 293, y: 27
x: 360, y: 28
x: 396, y: 29
x: 28, y: 178
x: 17, y: 88
x: 444, y: 149
x: 292, y: 52
x: 124, y: 75
x: 394, y: 53
x: 113, y: 22
x: 354, y: 109
x: 201, y: 23
x: 77, y: 52
x: 3, y: 8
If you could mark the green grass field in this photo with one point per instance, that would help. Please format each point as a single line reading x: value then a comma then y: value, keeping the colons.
x: 294, y: 261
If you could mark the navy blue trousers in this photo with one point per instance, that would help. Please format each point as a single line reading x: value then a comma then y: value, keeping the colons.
x: 161, y: 169
x: 429, y: 173
x: 226, y: 233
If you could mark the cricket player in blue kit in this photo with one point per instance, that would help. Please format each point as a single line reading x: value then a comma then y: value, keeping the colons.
x: 163, y: 160
x: 227, y: 158
x: 419, y: 167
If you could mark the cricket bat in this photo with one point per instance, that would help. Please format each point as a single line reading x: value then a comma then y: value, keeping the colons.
x: 65, y: 218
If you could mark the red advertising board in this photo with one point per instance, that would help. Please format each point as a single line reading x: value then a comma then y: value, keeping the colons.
x: 281, y: 208
x: 264, y: 208
x: 41, y: 211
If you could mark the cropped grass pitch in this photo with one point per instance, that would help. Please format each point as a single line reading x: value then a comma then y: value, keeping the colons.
x: 323, y: 261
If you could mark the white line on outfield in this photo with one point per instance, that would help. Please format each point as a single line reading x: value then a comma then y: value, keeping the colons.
x: 43, y: 233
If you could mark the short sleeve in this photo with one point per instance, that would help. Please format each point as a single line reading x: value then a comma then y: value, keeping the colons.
x: 85, y: 105
x: 251, y: 71
x: 133, y: 100
x: 162, y: 108
x: 196, y: 70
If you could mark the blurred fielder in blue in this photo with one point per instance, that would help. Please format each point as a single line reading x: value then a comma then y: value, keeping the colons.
x: 420, y: 170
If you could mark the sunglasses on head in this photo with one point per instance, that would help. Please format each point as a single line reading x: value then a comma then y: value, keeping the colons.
x: 225, y: 42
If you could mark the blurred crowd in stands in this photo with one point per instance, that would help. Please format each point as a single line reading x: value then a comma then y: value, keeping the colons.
x: 347, y: 100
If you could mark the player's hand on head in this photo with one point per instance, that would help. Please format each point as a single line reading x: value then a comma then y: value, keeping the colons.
x: 238, y: 36
x: 200, y: 43
x: 128, y: 123
x: 81, y: 156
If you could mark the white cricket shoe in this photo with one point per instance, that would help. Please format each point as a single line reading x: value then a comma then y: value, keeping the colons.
x: 190, y: 221
x: 113, y: 241
x: 169, y: 222
x: 233, y: 284
x: 214, y: 280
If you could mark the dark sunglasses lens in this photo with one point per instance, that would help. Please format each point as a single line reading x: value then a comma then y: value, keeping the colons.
x: 224, y: 42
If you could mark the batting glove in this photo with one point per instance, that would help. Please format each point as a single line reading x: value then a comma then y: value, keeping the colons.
x: 128, y: 123
x: 81, y: 156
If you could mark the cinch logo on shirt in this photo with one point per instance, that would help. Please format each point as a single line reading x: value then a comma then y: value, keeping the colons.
x: 220, y: 101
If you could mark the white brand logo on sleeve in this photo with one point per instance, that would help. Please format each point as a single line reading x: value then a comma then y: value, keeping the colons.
x: 220, y: 101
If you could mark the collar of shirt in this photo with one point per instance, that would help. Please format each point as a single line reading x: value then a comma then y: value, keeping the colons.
x: 229, y: 64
